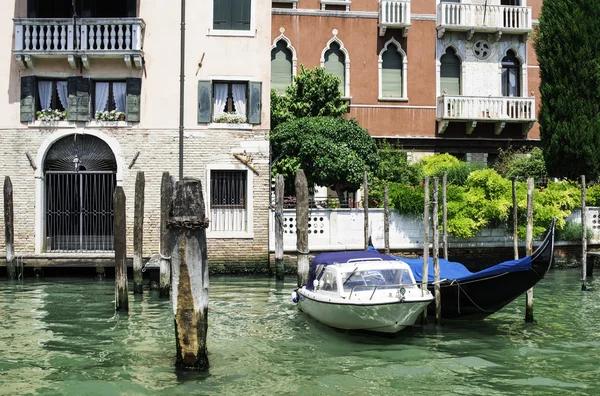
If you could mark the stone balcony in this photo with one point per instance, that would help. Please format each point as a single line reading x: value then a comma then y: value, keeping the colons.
x: 479, y: 18
x: 394, y: 14
x: 474, y: 109
x: 83, y: 38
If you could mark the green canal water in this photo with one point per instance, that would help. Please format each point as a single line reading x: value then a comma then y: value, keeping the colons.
x: 61, y: 337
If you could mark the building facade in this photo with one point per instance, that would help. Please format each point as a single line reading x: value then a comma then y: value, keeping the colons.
x: 92, y: 97
x: 434, y: 76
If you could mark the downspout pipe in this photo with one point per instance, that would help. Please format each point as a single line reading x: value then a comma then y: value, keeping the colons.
x: 181, y: 89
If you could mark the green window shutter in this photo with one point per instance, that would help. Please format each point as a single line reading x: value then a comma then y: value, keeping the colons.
x: 391, y: 73
x: 240, y: 14
x: 335, y: 62
x: 222, y: 14
x: 254, y: 102
x: 28, y: 98
x: 281, y: 67
x: 79, y: 89
x: 450, y: 73
x: 204, y: 102
x: 134, y: 91
x: 72, y: 98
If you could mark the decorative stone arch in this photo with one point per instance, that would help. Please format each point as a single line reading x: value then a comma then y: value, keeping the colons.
x: 40, y: 159
x: 290, y: 47
x: 343, y: 49
x: 520, y: 52
x: 404, y: 69
x: 459, y: 47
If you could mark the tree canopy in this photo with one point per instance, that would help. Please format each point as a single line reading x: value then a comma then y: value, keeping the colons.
x: 568, y: 52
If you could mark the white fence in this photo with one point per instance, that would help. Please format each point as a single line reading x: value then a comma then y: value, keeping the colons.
x: 505, y: 18
x: 485, y: 108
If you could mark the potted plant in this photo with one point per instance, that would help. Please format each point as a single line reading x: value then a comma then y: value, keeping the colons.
x: 112, y: 115
x: 230, y: 118
x: 51, y: 115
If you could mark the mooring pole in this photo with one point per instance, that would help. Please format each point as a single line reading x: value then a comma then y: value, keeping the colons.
x: 583, y: 235
x: 386, y: 220
x: 121, y: 298
x: 444, y: 215
x: 138, y: 233
x: 9, y: 231
x: 166, y: 195
x: 366, y: 208
x: 425, y: 244
x: 187, y: 233
x: 302, y: 227
x: 515, y: 231
x: 436, y: 254
x: 529, y: 248
x: 279, y: 187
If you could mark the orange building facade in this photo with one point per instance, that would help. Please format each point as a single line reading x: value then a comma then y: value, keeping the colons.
x: 433, y: 76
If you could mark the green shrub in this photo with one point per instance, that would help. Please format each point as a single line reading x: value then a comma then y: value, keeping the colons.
x: 592, y: 195
x: 573, y: 232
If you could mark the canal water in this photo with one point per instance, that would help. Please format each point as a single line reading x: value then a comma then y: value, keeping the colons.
x: 62, y: 337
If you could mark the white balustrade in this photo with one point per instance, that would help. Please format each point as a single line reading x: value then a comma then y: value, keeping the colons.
x: 467, y: 108
x: 491, y: 17
x: 394, y: 12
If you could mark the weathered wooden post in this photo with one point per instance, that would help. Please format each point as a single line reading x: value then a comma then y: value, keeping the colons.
x: 9, y: 231
x: 138, y: 233
x: 515, y: 223
x: 386, y: 220
x: 425, y: 245
x: 187, y: 236
x: 302, y: 226
x: 366, y: 208
x: 583, y: 235
x: 279, y: 187
x: 166, y: 195
x: 444, y: 215
x: 121, y: 297
x: 529, y: 247
x: 436, y: 254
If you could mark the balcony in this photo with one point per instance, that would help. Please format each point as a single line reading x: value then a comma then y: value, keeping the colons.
x: 478, y: 18
x: 394, y: 14
x: 84, y: 38
x: 474, y: 109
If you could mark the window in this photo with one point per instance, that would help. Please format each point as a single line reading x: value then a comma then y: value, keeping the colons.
x: 450, y: 73
x: 281, y: 67
x: 229, y: 101
x: 228, y: 200
x: 329, y: 281
x: 511, y: 70
x: 392, y: 72
x: 231, y: 14
x: 335, y: 62
x: 109, y: 95
x: 52, y: 95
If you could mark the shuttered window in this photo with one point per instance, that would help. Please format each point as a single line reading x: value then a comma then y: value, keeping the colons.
x: 281, y: 67
x: 229, y: 102
x: 511, y: 70
x: 450, y: 73
x: 335, y: 62
x: 231, y: 14
x: 391, y: 73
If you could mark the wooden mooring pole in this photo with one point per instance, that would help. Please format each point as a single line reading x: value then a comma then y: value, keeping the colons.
x: 166, y: 195
x: 302, y: 227
x: 425, y: 244
x: 445, y: 215
x: 121, y: 297
x: 529, y: 248
x: 9, y: 231
x: 515, y: 224
x: 386, y: 220
x: 279, y: 268
x: 583, y: 235
x: 366, y: 208
x: 436, y: 254
x: 138, y: 233
x: 187, y: 235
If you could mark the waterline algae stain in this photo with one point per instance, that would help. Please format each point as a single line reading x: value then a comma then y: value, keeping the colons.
x: 62, y: 337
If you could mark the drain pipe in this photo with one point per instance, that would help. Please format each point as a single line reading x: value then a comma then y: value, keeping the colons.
x: 181, y: 89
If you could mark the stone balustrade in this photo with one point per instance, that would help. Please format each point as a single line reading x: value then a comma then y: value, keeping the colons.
x: 482, y: 18
x: 394, y: 14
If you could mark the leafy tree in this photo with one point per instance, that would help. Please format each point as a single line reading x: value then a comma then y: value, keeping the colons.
x: 568, y: 52
x: 521, y: 164
x: 394, y: 166
x: 332, y: 151
x: 457, y: 171
x: 313, y: 93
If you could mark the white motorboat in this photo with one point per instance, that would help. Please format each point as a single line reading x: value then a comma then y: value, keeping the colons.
x: 371, y: 293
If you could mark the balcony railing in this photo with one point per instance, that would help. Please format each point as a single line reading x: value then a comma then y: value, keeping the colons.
x: 112, y: 37
x: 473, y: 109
x: 481, y: 18
x: 394, y: 14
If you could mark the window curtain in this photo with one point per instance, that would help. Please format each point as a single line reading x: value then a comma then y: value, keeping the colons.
x: 63, y: 96
x: 220, y: 99
x: 101, y: 100
x: 120, y: 95
x: 45, y: 90
x: 239, y: 98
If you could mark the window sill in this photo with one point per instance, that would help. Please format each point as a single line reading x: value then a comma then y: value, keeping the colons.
x: 382, y: 99
x: 232, y: 33
x: 229, y: 235
x: 224, y: 125
x: 108, y: 124
x: 52, y: 124
x: 347, y: 98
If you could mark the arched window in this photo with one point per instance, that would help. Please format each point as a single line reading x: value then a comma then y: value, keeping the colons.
x: 392, y: 71
x: 335, y: 62
x: 450, y: 73
x: 281, y: 67
x: 511, y: 72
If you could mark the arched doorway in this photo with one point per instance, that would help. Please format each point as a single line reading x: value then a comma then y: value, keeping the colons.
x: 80, y: 178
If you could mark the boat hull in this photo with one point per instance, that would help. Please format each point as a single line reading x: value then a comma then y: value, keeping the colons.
x: 384, y: 318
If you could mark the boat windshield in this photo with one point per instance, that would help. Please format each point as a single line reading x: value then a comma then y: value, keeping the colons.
x: 376, y: 277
